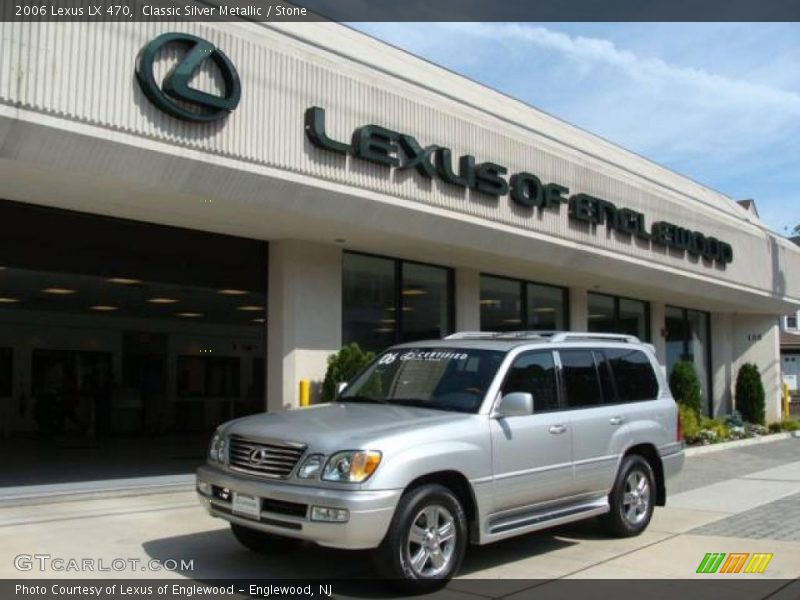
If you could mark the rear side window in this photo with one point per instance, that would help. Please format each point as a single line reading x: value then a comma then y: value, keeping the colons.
x: 633, y: 374
x: 581, y: 383
x: 535, y: 373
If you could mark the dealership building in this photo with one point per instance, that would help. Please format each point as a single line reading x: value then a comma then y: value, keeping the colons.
x: 192, y: 223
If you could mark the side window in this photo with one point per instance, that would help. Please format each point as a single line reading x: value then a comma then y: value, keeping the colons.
x: 633, y: 374
x: 580, y: 378
x: 535, y: 373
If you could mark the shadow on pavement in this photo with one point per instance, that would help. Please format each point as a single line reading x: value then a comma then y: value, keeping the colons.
x: 217, y: 555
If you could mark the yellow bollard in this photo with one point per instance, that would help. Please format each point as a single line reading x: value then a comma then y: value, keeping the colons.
x: 305, y: 392
x: 786, y: 414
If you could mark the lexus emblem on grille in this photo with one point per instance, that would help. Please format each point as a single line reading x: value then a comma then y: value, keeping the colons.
x: 258, y: 456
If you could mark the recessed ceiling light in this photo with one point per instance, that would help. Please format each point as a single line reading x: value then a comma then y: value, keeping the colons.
x: 104, y: 308
x: 414, y: 292
x: 490, y: 302
x: 258, y: 320
x: 58, y: 291
x: 512, y: 320
x: 189, y: 315
x: 124, y: 281
x: 383, y: 330
x: 544, y: 309
x: 163, y: 301
x: 387, y: 321
x: 3, y: 268
x: 232, y: 292
x: 6, y: 300
x: 249, y: 308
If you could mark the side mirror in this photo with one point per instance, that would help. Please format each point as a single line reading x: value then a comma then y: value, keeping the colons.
x: 515, y: 404
x: 340, y: 388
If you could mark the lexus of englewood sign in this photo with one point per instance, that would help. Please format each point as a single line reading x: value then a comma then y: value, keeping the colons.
x: 384, y: 146
x: 398, y: 150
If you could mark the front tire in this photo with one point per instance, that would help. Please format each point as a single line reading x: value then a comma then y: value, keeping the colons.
x: 426, y: 541
x: 261, y: 542
x: 632, y: 498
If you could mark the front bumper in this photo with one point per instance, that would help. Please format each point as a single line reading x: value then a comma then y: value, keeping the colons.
x: 370, y: 511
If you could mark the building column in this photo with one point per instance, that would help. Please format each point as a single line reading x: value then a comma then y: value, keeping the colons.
x: 756, y: 340
x: 304, y: 317
x: 657, y: 328
x: 578, y: 309
x: 467, y: 299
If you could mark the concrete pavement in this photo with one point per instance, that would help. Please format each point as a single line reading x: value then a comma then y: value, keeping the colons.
x: 754, y: 508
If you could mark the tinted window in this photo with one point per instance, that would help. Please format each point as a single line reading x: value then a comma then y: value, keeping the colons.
x: 633, y: 375
x: 535, y: 373
x: 606, y: 377
x: 580, y: 378
x: 5, y: 371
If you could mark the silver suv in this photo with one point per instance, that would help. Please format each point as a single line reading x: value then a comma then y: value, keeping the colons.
x: 438, y: 444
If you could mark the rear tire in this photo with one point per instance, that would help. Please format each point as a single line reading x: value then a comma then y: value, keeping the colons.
x: 426, y: 540
x: 632, y: 498
x: 261, y: 542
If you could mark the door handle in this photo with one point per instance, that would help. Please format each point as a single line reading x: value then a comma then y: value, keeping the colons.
x: 556, y: 429
x: 616, y: 420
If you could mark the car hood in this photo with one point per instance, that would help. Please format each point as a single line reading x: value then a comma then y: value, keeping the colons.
x: 341, y: 426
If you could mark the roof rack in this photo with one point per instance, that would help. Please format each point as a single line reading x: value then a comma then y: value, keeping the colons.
x: 552, y: 336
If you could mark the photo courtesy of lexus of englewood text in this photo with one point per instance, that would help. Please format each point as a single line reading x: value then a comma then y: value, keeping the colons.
x: 374, y: 299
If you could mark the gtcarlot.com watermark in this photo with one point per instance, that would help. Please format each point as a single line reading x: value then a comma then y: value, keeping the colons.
x: 59, y: 564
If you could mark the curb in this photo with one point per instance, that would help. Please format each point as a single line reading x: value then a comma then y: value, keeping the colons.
x: 94, y: 490
x: 763, y: 439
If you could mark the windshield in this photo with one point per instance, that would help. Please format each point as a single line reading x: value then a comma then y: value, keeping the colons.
x: 453, y: 379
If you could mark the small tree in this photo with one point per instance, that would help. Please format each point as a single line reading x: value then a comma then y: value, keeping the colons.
x: 685, y: 386
x: 342, y: 367
x: 750, y: 394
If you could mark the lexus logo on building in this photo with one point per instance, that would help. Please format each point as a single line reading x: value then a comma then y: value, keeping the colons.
x: 174, y: 95
x: 258, y: 456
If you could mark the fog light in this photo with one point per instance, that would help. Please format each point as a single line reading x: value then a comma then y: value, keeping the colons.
x: 203, y: 487
x: 331, y: 515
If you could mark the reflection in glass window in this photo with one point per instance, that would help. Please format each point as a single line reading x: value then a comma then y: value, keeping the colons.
x: 208, y: 377
x: 369, y: 311
x: 601, y: 313
x: 377, y: 312
x: 613, y: 314
x: 535, y: 373
x: 513, y: 305
x: 688, y: 339
x: 546, y: 307
x: 425, y: 302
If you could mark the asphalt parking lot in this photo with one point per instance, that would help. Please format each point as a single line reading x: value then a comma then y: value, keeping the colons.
x: 743, y: 500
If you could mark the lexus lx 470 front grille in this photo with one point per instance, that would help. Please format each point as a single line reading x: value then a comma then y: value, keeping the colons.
x: 268, y: 459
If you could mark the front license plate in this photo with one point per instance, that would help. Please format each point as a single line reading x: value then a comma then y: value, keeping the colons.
x: 246, y: 505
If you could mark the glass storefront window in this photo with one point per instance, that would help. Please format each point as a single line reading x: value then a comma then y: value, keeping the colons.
x: 546, y: 307
x: 501, y: 304
x: 512, y: 305
x: 425, y: 302
x: 6, y: 371
x: 386, y: 301
x: 688, y: 338
x: 368, y: 301
x: 614, y: 314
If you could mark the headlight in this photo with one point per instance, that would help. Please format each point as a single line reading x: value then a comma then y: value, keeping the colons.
x: 311, y: 467
x: 216, y: 451
x: 353, y: 466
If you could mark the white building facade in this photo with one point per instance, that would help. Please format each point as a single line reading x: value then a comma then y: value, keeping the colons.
x: 392, y: 200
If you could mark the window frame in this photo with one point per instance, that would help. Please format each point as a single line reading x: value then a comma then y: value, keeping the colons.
x: 523, y: 296
x: 648, y: 334
x: 397, y: 296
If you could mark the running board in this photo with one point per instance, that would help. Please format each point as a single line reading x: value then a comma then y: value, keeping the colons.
x: 533, y: 521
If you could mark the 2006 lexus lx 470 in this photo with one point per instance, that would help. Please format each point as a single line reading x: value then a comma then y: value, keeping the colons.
x: 440, y: 444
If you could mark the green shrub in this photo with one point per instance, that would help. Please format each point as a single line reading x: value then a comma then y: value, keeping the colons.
x: 718, y: 427
x: 791, y: 425
x: 342, y: 367
x: 750, y: 394
x: 690, y: 423
x: 685, y: 386
x: 775, y: 427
